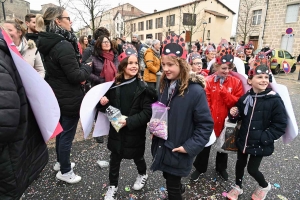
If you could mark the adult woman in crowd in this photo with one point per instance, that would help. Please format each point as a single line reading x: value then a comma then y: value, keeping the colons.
x: 152, y: 61
x: 26, y: 48
x: 59, y: 46
x: 23, y: 151
x: 104, y: 64
x: 146, y: 46
x: 83, y: 43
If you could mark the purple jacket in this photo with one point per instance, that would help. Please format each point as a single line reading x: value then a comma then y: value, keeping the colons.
x: 97, y: 67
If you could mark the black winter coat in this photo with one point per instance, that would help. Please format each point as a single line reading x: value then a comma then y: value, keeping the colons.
x: 23, y: 152
x: 130, y: 141
x: 268, y: 123
x: 63, y: 72
x: 189, y: 125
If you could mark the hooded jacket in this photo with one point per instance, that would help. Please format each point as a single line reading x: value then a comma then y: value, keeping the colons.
x: 23, y: 152
x: 32, y: 56
x: 267, y: 124
x: 152, y: 66
x: 222, y: 98
x: 189, y: 125
x: 63, y: 72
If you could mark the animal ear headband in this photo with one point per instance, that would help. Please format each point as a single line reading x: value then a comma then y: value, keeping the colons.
x: 174, y: 45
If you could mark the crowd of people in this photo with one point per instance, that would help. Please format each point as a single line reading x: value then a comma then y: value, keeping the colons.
x: 199, y: 97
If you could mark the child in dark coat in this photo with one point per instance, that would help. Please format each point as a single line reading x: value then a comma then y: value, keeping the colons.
x: 264, y: 120
x: 189, y: 120
x: 133, y: 98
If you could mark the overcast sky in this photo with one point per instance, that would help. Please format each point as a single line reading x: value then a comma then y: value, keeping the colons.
x: 146, y: 6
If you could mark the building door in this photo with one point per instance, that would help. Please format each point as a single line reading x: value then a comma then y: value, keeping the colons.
x: 287, y: 43
x: 254, y: 40
x: 187, y: 36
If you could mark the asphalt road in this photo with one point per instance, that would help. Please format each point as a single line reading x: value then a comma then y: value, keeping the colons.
x: 282, y: 170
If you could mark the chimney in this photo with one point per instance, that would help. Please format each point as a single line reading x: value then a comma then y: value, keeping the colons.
x: 132, y: 9
x: 155, y: 10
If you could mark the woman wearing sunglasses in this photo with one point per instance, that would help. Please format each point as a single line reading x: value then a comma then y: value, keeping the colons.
x: 64, y: 74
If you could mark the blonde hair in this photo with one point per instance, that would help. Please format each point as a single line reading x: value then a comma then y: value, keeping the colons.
x: 47, y: 20
x: 18, y: 24
x: 184, y: 75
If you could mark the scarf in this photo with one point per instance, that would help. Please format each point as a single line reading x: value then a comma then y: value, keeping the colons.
x: 68, y: 35
x: 21, y: 45
x: 109, y: 70
x: 171, y: 89
x: 156, y: 52
x: 221, y: 78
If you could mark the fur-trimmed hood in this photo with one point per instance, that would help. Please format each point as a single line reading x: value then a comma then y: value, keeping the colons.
x: 199, y: 79
x: 31, y: 44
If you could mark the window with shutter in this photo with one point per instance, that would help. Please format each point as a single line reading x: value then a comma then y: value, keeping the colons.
x: 292, y: 13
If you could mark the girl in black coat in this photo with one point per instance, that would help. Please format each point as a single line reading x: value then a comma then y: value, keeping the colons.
x: 133, y: 98
x: 264, y: 120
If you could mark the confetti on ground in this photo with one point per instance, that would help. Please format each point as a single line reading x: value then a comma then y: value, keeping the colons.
x: 277, y: 185
x: 281, y: 197
x: 127, y: 189
x: 296, y: 157
x: 224, y: 194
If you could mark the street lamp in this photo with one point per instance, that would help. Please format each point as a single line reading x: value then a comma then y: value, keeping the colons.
x: 2, y: 1
x: 204, y: 26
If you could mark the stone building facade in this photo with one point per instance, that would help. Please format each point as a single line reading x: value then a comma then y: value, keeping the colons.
x: 269, y: 20
x: 15, y: 9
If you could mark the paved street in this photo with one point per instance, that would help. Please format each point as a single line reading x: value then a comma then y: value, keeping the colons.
x: 281, y: 169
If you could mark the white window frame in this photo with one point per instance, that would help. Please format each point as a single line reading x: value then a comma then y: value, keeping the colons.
x: 292, y: 12
x: 256, y: 18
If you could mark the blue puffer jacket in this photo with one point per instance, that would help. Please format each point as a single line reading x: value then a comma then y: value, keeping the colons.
x: 189, y: 125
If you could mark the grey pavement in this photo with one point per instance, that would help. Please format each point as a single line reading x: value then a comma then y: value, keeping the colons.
x: 282, y: 170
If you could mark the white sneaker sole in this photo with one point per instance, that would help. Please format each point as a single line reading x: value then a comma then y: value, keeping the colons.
x: 67, y: 180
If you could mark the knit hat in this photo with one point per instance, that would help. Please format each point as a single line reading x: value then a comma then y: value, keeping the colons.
x: 135, y: 35
x: 174, y: 45
x: 128, y: 50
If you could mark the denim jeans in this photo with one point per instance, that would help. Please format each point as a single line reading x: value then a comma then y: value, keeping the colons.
x: 64, y: 142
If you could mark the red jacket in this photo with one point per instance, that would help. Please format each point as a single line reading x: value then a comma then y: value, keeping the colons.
x: 222, y: 98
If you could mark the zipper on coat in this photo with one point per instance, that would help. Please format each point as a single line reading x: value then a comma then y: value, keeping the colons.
x: 246, y: 140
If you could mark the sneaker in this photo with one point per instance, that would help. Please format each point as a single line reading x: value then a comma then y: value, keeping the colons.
x: 195, y: 175
x: 140, y: 182
x: 103, y: 163
x: 223, y: 174
x: 57, y: 166
x: 99, y: 139
x: 111, y: 193
x: 69, y: 177
x: 234, y: 193
x: 261, y: 193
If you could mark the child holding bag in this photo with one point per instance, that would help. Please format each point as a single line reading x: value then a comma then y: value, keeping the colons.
x: 264, y: 120
x: 189, y: 120
x: 223, y: 91
x: 133, y: 98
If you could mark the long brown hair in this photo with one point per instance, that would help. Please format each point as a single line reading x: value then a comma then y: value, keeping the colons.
x: 121, y: 68
x: 183, y: 75
x: 81, y: 41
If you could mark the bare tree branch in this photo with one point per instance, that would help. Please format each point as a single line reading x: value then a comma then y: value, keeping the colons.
x: 89, y: 11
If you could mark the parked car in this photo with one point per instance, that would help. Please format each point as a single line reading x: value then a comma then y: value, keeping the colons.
x: 280, y: 55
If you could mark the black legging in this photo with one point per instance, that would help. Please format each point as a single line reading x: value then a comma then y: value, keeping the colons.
x: 252, y: 167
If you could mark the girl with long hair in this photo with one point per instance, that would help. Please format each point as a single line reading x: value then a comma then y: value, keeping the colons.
x: 189, y: 120
x: 83, y: 43
x: 133, y: 98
